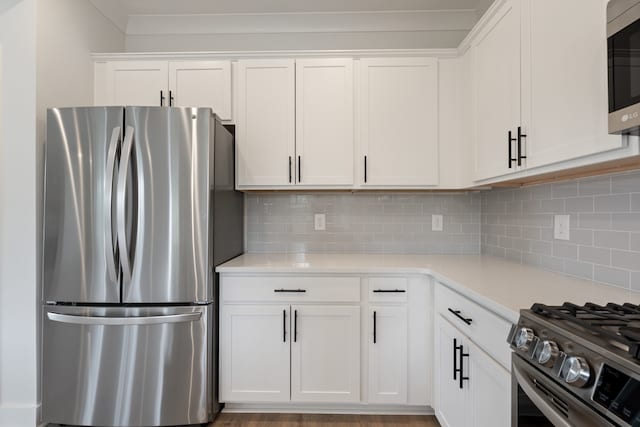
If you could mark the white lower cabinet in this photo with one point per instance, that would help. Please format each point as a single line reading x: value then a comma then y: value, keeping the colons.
x: 489, y: 390
x: 452, y: 399
x: 325, y: 354
x: 388, y: 354
x: 254, y: 353
x: 325, y: 339
x: 471, y: 389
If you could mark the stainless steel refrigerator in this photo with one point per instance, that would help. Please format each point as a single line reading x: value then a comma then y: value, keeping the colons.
x: 139, y: 208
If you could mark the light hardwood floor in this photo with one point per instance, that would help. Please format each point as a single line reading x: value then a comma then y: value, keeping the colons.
x: 312, y: 420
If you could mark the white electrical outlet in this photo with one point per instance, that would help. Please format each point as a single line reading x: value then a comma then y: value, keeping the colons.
x: 437, y: 223
x: 320, y: 222
x: 561, y: 227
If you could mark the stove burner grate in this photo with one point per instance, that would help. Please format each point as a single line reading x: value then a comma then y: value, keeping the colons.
x: 619, y: 323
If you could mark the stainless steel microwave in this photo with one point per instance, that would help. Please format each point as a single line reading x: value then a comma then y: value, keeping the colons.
x: 623, y: 41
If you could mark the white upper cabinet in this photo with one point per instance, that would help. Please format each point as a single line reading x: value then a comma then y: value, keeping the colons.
x: 139, y: 83
x: 324, y: 122
x: 165, y: 83
x: 398, y: 122
x: 265, y: 131
x: 201, y: 84
x: 495, y: 62
x: 565, y: 104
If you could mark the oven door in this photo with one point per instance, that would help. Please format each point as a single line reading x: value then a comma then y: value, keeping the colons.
x: 539, y: 401
x: 624, y: 68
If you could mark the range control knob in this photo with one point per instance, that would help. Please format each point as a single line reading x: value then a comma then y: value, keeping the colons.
x: 524, y: 338
x: 548, y: 354
x: 577, y: 372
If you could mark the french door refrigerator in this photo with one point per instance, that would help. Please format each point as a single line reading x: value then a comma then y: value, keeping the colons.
x: 139, y: 208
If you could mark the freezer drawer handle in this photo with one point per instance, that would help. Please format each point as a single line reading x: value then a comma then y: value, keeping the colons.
x: 123, y: 321
x: 290, y: 290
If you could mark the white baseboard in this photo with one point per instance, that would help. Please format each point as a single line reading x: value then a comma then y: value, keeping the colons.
x: 298, y: 408
x: 19, y: 416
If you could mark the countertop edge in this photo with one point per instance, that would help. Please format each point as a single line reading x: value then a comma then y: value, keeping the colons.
x: 489, y: 304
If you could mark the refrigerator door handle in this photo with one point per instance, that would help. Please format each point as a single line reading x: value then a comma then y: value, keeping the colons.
x: 108, y: 204
x: 125, y: 260
x: 123, y: 321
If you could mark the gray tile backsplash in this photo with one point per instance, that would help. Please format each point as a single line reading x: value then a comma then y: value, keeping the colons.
x: 517, y: 224
x: 363, y: 223
x: 604, y: 243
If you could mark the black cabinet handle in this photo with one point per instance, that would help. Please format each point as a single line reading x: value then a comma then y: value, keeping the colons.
x: 299, y: 170
x: 170, y: 99
x: 161, y: 99
x: 375, y: 327
x: 462, y: 378
x: 459, y: 316
x: 389, y: 291
x: 511, y: 158
x: 520, y: 137
x: 365, y: 169
x: 289, y: 169
x: 295, y: 326
x: 284, y: 325
x: 455, y: 359
x: 289, y: 290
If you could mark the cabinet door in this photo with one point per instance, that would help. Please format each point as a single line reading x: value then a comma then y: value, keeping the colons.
x: 137, y: 83
x: 265, y: 132
x: 450, y: 400
x: 325, y: 354
x: 565, y: 104
x: 388, y: 354
x: 324, y: 122
x: 489, y: 390
x: 399, y: 122
x: 202, y: 84
x: 254, y: 353
x: 496, y: 88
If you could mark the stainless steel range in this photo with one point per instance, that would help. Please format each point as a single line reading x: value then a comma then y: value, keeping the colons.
x: 576, y: 366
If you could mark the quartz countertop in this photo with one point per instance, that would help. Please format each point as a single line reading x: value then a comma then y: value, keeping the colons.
x: 502, y: 286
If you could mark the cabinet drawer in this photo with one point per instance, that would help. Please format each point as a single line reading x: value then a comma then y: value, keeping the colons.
x: 484, y: 328
x: 290, y: 288
x: 388, y: 289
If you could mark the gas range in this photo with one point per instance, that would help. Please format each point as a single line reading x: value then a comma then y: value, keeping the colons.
x: 580, y: 365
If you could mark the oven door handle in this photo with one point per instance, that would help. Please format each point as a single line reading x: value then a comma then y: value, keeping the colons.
x: 527, y: 386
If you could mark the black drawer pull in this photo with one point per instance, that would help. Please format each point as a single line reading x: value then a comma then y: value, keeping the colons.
x: 389, y: 291
x: 459, y: 316
x: 297, y: 291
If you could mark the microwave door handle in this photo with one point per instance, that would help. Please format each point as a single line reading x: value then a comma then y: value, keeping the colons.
x: 121, y: 213
x: 527, y: 386
x: 123, y: 321
x: 108, y: 204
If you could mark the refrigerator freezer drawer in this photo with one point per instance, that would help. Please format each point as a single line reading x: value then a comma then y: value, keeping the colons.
x: 127, y: 366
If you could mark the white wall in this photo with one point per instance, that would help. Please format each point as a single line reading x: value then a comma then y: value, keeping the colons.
x: 18, y: 354
x: 45, y: 62
x: 294, y: 41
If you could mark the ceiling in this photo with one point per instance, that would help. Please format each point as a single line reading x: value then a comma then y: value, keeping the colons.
x: 127, y: 14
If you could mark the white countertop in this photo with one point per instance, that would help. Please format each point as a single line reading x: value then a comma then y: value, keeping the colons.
x: 500, y: 285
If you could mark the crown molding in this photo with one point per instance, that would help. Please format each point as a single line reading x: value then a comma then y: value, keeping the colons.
x: 312, y: 22
x: 235, y: 55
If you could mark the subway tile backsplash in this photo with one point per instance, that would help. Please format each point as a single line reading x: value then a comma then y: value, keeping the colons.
x: 604, y: 243
x: 363, y: 223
